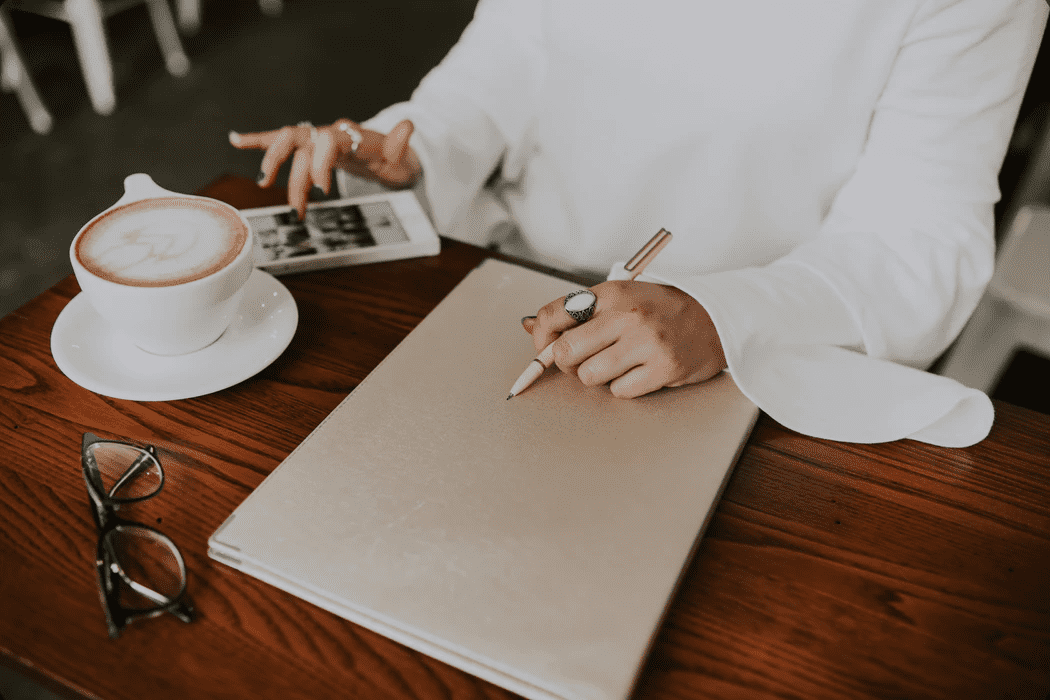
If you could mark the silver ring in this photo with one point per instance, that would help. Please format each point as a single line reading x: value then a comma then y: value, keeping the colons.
x: 580, y: 304
x: 355, y: 136
x: 312, y: 128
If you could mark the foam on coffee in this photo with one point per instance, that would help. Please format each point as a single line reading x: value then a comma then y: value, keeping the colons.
x: 161, y: 242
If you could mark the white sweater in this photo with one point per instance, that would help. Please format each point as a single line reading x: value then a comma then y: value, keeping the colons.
x: 828, y: 169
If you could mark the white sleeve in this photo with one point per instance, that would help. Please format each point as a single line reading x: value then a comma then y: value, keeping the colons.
x: 826, y: 339
x: 474, y: 106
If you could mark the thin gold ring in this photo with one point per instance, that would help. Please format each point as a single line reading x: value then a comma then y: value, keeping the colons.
x: 312, y: 128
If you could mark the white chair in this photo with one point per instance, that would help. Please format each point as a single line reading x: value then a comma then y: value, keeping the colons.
x: 1015, y: 309
x: 14, y: 77
x: 86, y: 17
x: 189, y: 13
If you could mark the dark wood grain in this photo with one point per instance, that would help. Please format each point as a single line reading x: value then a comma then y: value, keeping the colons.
x: 828, y: 571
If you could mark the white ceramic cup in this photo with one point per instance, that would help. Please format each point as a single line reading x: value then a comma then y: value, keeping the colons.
x: 173, y: 319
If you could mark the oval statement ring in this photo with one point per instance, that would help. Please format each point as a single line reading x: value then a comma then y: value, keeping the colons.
x: 580, y: 304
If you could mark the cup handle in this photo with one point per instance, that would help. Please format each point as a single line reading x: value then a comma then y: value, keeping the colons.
x: 141, y: 186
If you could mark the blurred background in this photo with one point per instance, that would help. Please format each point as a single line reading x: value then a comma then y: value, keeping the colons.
x: 318, y: 60
x: 249, y: 70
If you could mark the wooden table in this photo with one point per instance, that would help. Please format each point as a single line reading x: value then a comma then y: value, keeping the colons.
x: 828, y: 571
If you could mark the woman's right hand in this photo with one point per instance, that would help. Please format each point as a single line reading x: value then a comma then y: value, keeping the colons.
x: 316, y: 150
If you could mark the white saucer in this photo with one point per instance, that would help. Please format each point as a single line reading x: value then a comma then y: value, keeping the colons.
x: 97, y: 357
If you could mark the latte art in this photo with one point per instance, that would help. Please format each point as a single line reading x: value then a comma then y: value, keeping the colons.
x: 161, y: 242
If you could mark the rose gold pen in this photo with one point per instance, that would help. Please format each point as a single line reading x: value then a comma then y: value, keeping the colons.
x: 633, y: 268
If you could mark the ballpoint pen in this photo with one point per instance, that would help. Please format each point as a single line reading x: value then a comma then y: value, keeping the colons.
x: 633, y: 268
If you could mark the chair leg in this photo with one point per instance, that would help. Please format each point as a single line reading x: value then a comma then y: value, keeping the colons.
x: 89, y: 35
x: 189, y: 16
x: 15, y: 76
x: 11, y: 63
x: 984, y: 348
x: 168, y: 37
x: 271, y: 8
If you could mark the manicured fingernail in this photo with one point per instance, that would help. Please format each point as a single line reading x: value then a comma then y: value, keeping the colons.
x: 235, y: 138
x: 260, y: 177
x: 524, y: 319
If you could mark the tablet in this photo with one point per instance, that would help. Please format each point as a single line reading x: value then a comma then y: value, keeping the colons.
x: 349, y: 231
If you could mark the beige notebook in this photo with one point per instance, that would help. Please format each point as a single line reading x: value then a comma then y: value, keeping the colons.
x: 534, y: 542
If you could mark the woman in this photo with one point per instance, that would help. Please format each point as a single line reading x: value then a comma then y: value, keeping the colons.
x: 828, y: 169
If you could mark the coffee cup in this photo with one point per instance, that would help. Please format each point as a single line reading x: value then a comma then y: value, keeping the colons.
x: 166, y: 270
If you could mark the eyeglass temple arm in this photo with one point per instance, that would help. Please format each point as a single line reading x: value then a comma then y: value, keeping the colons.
x: 179, y: 607
x: 141, y: 462
x: 117, y: 618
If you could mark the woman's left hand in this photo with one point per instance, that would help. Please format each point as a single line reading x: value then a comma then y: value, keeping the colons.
x: 315, y: 150
x: 642, y: 337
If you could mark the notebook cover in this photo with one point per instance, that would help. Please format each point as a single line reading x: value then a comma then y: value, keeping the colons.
x: 534, y: 542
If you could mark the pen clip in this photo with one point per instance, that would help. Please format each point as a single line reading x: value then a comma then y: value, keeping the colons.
x: 636, y: 264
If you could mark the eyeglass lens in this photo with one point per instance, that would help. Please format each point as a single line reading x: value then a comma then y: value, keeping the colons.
x: 127, y: 472
x: 148, y: 564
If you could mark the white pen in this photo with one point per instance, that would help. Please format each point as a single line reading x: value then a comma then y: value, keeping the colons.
x: 633, y: 268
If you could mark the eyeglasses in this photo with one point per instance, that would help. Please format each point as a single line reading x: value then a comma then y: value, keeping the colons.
x: 141, y: 573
